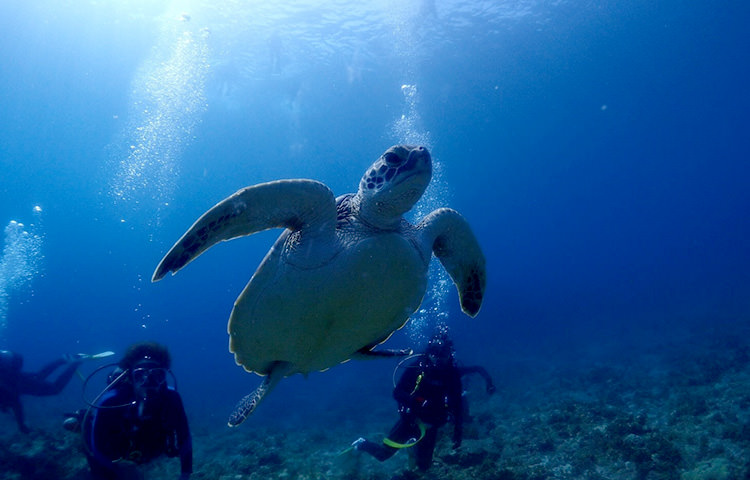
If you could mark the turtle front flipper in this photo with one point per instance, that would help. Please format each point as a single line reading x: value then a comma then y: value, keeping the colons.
x: 303, y: 205
x: 250, y: 402
x: 449, y: 236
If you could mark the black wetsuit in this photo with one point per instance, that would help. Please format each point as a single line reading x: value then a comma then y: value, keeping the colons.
x: 112, y: 435
x: 428, y: 396
x: 14, y: 383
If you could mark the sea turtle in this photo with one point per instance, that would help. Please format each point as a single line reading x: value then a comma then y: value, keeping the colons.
x: 345, y: 273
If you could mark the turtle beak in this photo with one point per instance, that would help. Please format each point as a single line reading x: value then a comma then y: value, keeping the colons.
x: 418, y: 164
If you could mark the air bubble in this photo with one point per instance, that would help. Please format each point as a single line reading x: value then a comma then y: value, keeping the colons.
x: 408, y: 129
x: 167, y: 101
x: 20, y: 262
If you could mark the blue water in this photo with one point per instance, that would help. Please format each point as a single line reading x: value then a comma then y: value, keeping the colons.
x: 598, y: 149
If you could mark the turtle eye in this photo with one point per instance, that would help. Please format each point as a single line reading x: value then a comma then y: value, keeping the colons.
x: 391, y: 159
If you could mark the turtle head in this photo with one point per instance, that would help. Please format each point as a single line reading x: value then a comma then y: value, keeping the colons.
x: 393, y: 184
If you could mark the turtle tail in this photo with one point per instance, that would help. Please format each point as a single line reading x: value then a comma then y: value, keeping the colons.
x: 250, y: 402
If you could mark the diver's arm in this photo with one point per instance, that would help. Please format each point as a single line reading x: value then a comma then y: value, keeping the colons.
x: 481, y: 371
x: 105, y: 434
x: 458, y: 433
x: 456, y: 407
x: 184, y: 439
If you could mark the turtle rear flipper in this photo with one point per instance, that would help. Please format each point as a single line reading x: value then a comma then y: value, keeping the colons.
x: 250, y: 402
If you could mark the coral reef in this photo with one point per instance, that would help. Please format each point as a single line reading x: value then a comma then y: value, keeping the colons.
x: 39, y: 455
x: 679, y: 411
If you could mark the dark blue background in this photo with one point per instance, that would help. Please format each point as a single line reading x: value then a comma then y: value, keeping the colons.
x: 598, y: 149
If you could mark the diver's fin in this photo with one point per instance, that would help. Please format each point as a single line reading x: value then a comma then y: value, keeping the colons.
x: 79, y: 357
x: 250, y: 402
x: 106, y: 354
x: 354, y: 446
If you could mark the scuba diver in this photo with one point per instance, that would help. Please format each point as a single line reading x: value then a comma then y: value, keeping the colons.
x: 137, y: 418
x: 429, y: 395
x: 14, y: 382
